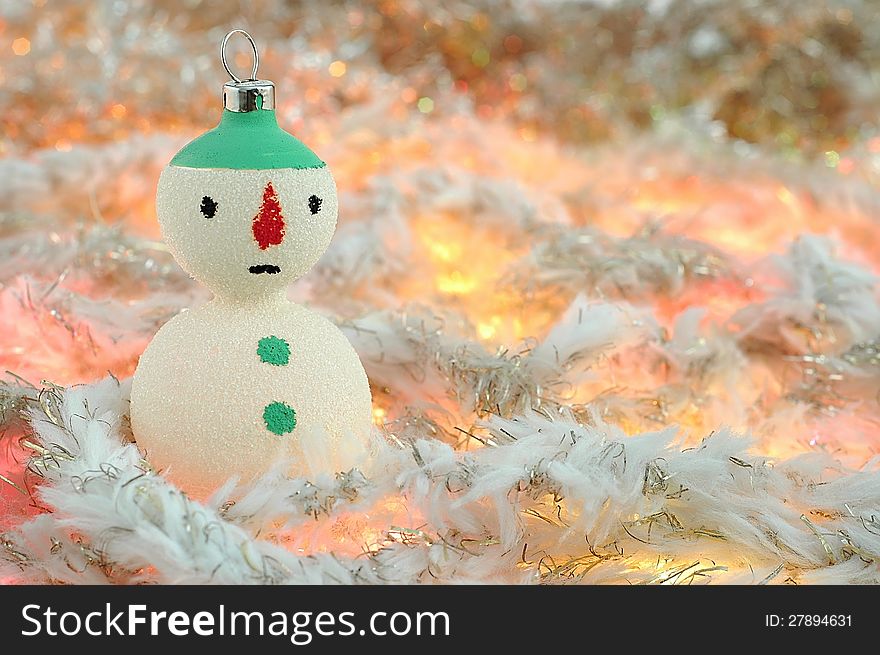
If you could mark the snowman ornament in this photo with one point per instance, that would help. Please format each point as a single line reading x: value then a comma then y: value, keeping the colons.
x: 249, y: 379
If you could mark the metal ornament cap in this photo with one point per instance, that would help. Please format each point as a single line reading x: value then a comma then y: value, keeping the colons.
x: 249, y: 95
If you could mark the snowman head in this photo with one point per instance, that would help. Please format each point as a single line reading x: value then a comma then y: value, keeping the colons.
x: 246, y: 208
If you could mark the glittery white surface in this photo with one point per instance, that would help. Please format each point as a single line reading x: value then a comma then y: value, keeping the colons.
x: 200, y: 388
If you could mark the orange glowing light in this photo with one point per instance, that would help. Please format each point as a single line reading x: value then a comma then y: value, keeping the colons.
x: 378, y: 415
x: 445, y: 252
x: 337, y: 68
x: 846, y: 166
x: 394, y: 504
x: 409, y: 95
x: 786, y: 196
x: 21, y: 46
x: 371, y: 539
x: 488, y: 329
x: 456, y: 283
x: 117, y: 111
x: 480, y: 22
x: 513, y: 44
x: 528, y: 133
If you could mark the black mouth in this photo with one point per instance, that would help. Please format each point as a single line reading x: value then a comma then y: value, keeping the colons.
x: 271, y: 269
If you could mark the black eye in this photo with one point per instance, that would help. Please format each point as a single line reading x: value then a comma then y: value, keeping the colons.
x: 315, y: 204
x: 208, y: 207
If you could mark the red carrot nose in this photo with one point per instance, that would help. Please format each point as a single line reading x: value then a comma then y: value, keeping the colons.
x: 269, y: 223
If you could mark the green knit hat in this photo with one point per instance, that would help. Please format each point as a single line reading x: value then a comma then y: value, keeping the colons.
x: 250, y: 140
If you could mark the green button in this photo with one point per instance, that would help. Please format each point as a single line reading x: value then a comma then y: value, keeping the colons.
x: 273, y: 350
x: 279, y: 417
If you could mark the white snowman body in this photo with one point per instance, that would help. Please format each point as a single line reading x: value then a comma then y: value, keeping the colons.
x: 250, y: 379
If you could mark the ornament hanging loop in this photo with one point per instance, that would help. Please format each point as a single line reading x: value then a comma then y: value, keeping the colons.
x: 242, y: 96
x: 226, y: 63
